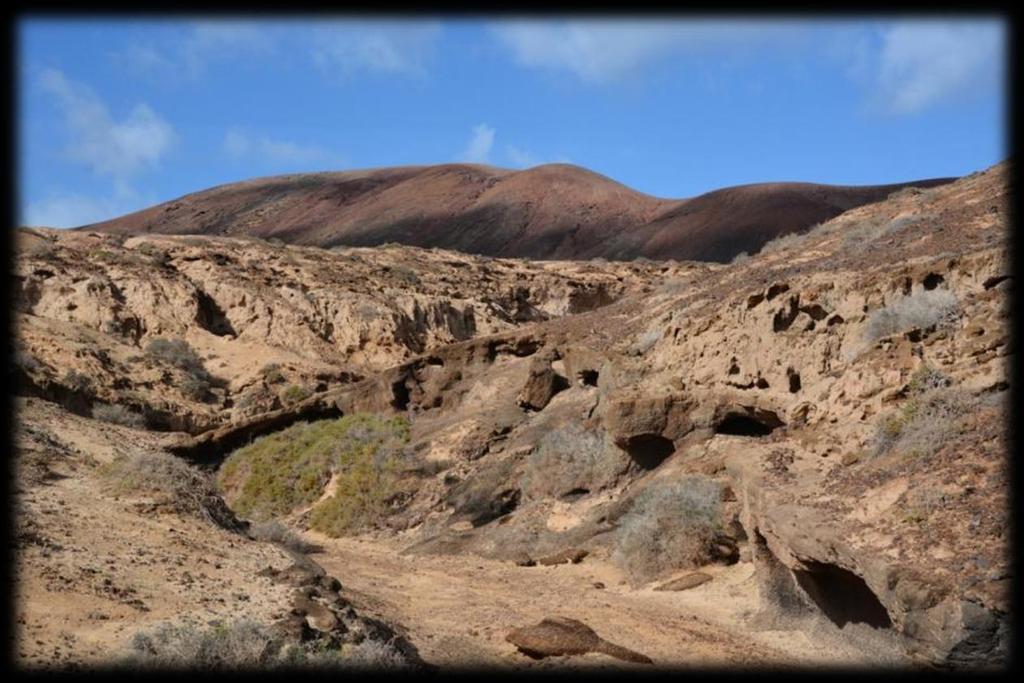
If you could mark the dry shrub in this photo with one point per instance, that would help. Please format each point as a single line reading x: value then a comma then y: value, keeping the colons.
x: 185, y: 488
x: 118, y: 415
x: 570, y: 458
x: 246, y: 645
x: 924, y: 423
x: 277, y: 533
x: 243, y: 644
x: 671, y: 526
x: 76, y: 381
x: 923, y: 309
x: 177, y: 352
x: 783, y: 242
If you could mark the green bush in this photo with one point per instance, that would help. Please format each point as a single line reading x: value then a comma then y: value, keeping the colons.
x: 671, y: 526
x: 289, y: 469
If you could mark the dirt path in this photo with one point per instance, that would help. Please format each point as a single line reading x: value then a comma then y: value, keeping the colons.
x: 457, y: 610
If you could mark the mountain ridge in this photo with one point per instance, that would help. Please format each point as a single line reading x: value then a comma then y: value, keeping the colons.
x: 552, y: 211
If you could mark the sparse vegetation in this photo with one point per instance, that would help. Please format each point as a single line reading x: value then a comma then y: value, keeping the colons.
x: 294, y: 394
x: 923, y: 309
x: 274, y: 531
x: 671, y: 526
x: 739, y: 258
x: 196, y: 388
x: 783, y: 242
x: 76, y: 381
x: 570, y: 458
x: 247, y: 645
x: 118, y: 415
x: 272, y: 373
x: 924, y: 422
x: 177, y: 352
x: 289, y: 469
x: 186, y: 489
x: 405, y: 275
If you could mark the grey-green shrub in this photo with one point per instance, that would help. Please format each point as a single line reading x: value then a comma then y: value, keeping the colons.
x: 671, y: 526
x: 922, y: 309
x: 275, y: 532
x: 568, y: 458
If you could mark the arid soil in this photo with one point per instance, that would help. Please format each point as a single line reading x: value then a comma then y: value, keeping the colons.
x: 553, y: 211
x: 834, y: 407
x: 459, y: 609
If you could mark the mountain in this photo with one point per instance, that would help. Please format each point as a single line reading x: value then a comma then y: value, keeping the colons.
x: 554, y: 211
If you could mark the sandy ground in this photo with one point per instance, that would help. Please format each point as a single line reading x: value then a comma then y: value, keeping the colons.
x: 458, y: 609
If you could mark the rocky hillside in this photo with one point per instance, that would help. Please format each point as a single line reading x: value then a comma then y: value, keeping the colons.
x: 556, y: 211
x: 814, y: 434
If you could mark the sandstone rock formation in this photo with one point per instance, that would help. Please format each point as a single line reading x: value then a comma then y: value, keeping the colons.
x: 843, y: 397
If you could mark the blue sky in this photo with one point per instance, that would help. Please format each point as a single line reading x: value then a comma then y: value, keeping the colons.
x: 116, y: 115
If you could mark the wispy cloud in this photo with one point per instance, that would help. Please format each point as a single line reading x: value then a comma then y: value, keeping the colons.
x: 240, y: 144
x: 924, y: 63
x: 117, y: 148
x: 404, y: 48
x: 603, y: 51
x: 479, y: 148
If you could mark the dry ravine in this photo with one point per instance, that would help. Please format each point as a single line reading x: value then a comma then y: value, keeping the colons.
x: 233, y: 453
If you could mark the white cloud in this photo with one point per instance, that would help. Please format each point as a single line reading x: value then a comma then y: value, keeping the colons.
x: 597, y: 50
x: 107, y: 146
x: 240, y: 144
x: 70, y: 209
x: 923, y: 63
x: 407, y: 48
x: 479, y: 148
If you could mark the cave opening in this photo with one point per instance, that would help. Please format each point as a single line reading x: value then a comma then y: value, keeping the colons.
x: 400, y: 395
x: 841, y: 595
x: 589, y: 378
x: 649, y: 450
x: 754, y: 425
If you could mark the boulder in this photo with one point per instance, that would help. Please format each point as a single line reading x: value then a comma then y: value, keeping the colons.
x: 558, y: 636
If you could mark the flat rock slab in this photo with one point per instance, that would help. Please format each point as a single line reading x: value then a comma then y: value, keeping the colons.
x: 684, y: 582
x: 559, y: 636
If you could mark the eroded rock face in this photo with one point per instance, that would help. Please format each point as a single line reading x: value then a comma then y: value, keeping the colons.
x: 782, y: 378
x: 542, y: 383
